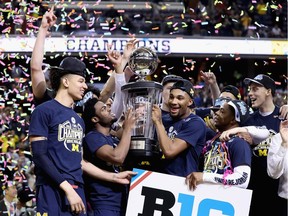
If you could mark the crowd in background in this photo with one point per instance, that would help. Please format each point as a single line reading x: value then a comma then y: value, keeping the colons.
x: 256, y: 19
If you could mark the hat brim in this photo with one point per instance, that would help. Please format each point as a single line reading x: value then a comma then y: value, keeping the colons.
x: 213, y: 108
x: 247, y: 81
x: 64, y: 72
x: 56, y: 68
x: 171, y: 80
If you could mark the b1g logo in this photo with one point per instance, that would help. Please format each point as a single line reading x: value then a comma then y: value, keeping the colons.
x: 163, y: 200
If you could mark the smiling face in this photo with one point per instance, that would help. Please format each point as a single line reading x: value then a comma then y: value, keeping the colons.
x: 258, y: 95
x: 104, y: 115
x: 224, y: 117
x: 179, y: 102
x: 76, y: 86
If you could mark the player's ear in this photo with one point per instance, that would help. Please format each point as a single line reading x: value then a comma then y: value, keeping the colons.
x: 95, y: 119
x: 65, y: 81
x: 234, y: 122
x: 190, y: 102
x: 269, y: 92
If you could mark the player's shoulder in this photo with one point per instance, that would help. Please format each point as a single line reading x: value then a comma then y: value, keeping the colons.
x: 236, y: 140
x: 194, y: 121
x: 46, y: 107
x: 194, y: 118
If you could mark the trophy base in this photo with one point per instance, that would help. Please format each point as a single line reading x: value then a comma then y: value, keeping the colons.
x: 144, y: 153
x: 145, y: 147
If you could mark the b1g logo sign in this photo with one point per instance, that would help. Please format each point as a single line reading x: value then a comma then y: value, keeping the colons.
x: 185, y: 200
x: 155, y: 194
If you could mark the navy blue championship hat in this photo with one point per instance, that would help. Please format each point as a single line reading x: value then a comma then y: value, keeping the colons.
x: 170, y: 78
x: 262, y: 80
x: 219, y: 102
x: 71, y: 65
x: 241, y: 110
x: 184, y: 85
x: 233, y: 90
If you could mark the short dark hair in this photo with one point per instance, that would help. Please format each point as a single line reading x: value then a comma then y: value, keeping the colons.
x: 24, y: 192
x: 88, y: 113
x: 55, y: 79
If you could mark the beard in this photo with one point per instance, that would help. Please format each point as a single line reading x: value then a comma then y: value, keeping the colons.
x: 108, y: 123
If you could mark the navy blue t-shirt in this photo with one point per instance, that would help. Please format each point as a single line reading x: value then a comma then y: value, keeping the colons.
x: 64, y: 130
x: 205, y: 114
x: 103, y: 194
x: 272, y: 123
x: 260, y: 182
x: 192, y: 129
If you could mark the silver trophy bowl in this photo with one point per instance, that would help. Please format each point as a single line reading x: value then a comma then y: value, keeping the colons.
x: 143, y: 62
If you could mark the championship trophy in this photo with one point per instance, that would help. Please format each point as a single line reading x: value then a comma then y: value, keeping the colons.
x: 140, y: 96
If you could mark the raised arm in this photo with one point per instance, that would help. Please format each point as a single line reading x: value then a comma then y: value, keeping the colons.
x: 117, y: 155
x: 210, y: 79
x: 129, y: 48
x: 170, y: 147
x: 119, y: 63
x: 37, y: 76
